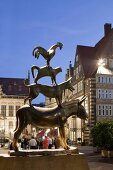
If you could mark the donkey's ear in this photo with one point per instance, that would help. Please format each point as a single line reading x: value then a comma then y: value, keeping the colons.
x: 82, y: 100
x: 69, y: 79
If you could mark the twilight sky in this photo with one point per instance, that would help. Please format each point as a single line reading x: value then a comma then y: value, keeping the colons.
x: 25, y: 24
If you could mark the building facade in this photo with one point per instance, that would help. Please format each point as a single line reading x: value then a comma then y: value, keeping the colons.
x: 92, y: 76
x: 12, y: 95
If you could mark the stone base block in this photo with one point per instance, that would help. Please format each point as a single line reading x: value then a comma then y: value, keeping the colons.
x: 56, y: 162
x: 44, y: 152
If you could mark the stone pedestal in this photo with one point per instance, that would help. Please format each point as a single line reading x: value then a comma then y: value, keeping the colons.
x: 44, y: 152
x: 56, y: 162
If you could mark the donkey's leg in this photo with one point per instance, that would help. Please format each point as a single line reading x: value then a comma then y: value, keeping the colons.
x: 16, y: 136
x: 59, y: 101
x: 63, y: 138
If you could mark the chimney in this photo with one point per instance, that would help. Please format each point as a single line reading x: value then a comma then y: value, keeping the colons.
x: 107, y: 28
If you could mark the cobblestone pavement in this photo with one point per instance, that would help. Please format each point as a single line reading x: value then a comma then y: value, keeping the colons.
x: 95, y: 161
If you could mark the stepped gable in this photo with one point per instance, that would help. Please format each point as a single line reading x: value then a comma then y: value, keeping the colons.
x: 13, y: 86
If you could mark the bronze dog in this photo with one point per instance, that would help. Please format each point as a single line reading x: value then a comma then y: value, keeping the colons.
x: 48, y: 91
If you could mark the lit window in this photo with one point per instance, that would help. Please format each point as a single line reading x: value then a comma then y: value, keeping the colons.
x: 11, y: 111
x: 99, y: 93
x: 109, y: 79
x: 110, y: 113
x: 106, y: 94
x: 99, y: 110
x: 110, y: 94
x: 17, y: 107
x: 103, y: 111
x: 102, y: 94
x: 98, y: 79
x: 102, y: 79
x: 106, y: 110
x: 3, y: 110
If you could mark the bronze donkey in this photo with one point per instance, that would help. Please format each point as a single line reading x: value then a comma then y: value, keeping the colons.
x: 48, y: 117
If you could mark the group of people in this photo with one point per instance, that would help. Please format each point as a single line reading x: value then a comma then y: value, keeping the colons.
x: 40, y: 143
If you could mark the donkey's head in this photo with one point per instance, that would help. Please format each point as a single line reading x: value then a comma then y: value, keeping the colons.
x: 69, y: 85
x: 75, y: 107
x: 81, y: 112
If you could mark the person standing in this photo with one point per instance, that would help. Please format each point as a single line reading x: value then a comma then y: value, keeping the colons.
x: 40, y: 143
x: 25, y: 143
x: 45, y: 143
x: 33, y: 143
x: 50, y: 143
x: 37, y: 143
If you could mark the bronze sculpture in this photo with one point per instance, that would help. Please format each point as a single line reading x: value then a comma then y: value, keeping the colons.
x: 48, y: 117
x: 48, y: 91
x: 45, y: 71
x: 47, y: 54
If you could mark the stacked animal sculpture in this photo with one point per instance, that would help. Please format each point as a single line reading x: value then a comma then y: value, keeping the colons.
x: 47, y: 117
x: 54, y: 91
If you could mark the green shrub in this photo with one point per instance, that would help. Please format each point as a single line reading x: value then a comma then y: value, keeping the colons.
x: 102, y: 134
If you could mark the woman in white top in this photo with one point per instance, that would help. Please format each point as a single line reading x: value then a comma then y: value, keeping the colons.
x: 33, y: 143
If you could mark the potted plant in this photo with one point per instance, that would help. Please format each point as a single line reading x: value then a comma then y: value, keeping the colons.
x: 102, y: 134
